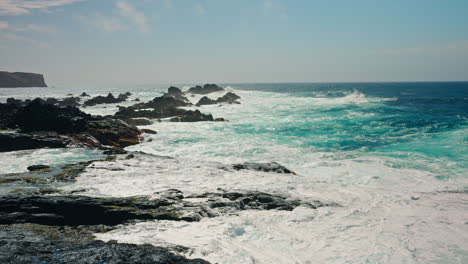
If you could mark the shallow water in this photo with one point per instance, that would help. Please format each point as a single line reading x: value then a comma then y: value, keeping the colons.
x: 393, y: 155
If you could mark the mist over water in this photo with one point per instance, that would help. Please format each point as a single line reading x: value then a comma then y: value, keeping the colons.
x: 392, y: 155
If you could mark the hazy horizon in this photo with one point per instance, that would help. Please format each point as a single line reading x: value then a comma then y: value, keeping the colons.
x: 143, y: 42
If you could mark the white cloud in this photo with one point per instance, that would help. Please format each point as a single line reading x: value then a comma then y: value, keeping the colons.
x: 22, y: 7
x: 3, y: 25
x: 136, y: 17
x: 200, y: 9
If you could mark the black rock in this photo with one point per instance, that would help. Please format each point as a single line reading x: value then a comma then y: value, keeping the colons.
x: 25, y: 244
x: 230, y: 98
x: 84, y: 95
x: 14, y: 141
x: 109, y: 99
x: 40, y: 116
x: 266, y: 167
x: 192, y: 116
x: 206, y: 101
x: 206, y: 89
x: 138, y: 121
x: 149, y: 131
x: 38, y: 167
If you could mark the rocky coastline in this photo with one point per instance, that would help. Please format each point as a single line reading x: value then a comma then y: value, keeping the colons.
x: 40, y: 223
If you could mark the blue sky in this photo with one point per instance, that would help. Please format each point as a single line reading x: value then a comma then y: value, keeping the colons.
x: 193, y: 41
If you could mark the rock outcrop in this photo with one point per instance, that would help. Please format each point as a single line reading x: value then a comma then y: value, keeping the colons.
x: 166, y: 106
x: 21, y: 79
x: 31, y: 243
x: 206, y: 89
x: 229, y: 98
x: 109, y: 99
x: 46, y: 125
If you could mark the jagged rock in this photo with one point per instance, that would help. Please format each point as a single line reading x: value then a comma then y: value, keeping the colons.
x: 266, y: 167
x: 21, y: 79
x: 109, y: 99
x: 206, y: 101
x: 192, y: 116
x: 84, y: 95
x: 29, y: 243
x: 230, y: 98
x: 114, y: 132
x: 176, y: 93
x: 206, y: 89
x: 40, y: 116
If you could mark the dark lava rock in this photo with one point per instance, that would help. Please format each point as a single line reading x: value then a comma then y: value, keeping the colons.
x: 266, y: 167
x: 25, y: 244
x: 206, y: 101
x: 114, y: 132
x: 109, y: 99
x: 82, y: 210
x: 230, y: 98
x: 174, y: 90
x: 206, y: 89
x: 7, y: 113
x: 21, y: 79
x: 84, y: 95
x: 38, y: 167
x: 13, y: 141
x: 138, y: 121
x: 149, y: 131
x: 177, y: 94
x: 40, y: 116
x: 192, y: 116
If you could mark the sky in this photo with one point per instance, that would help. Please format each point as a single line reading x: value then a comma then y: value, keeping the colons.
x: 233, y: 41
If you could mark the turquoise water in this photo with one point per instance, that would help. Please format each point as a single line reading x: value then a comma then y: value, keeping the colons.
x: 423, y: 123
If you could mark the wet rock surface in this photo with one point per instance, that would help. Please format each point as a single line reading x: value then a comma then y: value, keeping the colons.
x: 266, y: 167
x: 168, y: 205
x: 29, y: 243
x: 47, y: 125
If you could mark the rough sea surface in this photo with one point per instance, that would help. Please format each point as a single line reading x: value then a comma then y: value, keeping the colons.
x: 394, y: 156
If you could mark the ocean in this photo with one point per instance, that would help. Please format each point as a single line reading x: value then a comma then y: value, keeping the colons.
x: 393, y: 156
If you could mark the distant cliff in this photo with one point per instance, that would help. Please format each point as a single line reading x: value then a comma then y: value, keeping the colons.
x: 21, y: 79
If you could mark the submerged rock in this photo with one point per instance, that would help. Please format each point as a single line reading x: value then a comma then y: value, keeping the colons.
x: 206, y: 89
x: 266, y: 167
x: 38, y: 167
